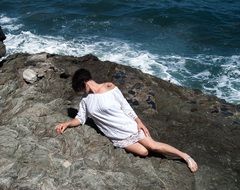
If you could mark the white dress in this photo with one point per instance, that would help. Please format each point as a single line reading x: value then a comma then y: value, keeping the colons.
x: 113, y: 116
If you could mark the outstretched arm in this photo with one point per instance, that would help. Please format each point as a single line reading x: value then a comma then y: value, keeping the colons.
x: 79, y: 119
x: 61, y: 127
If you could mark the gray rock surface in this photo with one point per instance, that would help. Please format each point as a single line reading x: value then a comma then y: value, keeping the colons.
x: 33, y: 156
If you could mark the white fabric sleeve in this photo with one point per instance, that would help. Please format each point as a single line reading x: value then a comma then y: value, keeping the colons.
x: 82, y: 113
x: 127, y: 109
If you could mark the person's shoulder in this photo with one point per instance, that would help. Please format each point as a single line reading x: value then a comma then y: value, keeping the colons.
x: 110, y: 85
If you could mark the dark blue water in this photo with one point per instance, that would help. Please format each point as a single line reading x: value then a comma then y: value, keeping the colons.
x: 191, y: 43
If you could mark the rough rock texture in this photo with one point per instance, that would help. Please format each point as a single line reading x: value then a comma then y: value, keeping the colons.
x: 33, y: 156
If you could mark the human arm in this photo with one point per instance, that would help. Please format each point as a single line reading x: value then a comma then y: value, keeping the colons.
x: 141, y: 126
x: 80, y: 118
x: 125, y: 106
x: 61, y: 127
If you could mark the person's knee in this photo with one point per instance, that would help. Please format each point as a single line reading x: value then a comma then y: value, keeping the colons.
x: 140, y: 151
x: 143, y: 153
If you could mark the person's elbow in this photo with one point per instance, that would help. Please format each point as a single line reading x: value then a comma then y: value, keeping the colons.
x: 76, y: 122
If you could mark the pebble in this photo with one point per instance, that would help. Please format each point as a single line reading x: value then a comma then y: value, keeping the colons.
x: 30, y: 76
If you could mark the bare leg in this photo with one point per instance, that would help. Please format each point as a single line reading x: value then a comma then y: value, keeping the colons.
x: 137, y: 149
x: 159, y: 147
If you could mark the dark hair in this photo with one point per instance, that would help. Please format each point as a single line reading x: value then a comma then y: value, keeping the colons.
x: 79, y: 78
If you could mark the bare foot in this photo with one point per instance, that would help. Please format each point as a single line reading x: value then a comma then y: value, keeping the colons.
x: 191, y: 164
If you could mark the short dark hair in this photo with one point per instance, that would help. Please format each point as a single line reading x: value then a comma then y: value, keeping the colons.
x: 79, y: 78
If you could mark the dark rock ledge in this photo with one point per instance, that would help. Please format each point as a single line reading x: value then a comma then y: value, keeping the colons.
x: 2, y: 45
x: 32, y: 156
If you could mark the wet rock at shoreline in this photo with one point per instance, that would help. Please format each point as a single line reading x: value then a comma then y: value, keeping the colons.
x: 2, y: 49
x: 2, y: 45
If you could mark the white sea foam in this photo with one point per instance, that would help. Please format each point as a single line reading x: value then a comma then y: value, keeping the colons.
x: 11, y: 24
x: 6, y: 20
x: 202, y: 75
x: 226, y: 84
x: 174, y: 68
x: 112, y: 50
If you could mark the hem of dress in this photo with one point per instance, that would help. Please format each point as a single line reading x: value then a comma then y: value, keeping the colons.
x: 129, y: 140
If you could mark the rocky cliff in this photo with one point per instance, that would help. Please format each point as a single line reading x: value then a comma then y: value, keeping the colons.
x: 2, y: 49
x: 2, y: 45
x: 33, y: 156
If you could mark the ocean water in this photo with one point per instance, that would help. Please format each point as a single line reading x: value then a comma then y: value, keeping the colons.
x: 190, y: 43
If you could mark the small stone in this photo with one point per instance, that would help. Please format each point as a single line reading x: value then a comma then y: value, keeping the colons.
x: 66, y: 164
x: 41, y: 73
x: 151, y: 103
x: 30, y: 76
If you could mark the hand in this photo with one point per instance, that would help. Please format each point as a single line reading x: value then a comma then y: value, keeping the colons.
x: 141, y: 126
x: 60, y: 128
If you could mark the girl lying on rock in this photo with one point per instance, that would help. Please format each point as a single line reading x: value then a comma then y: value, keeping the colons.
x: 113, y: 115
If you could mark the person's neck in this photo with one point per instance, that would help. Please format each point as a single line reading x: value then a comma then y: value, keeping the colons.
x: 93, y: 86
